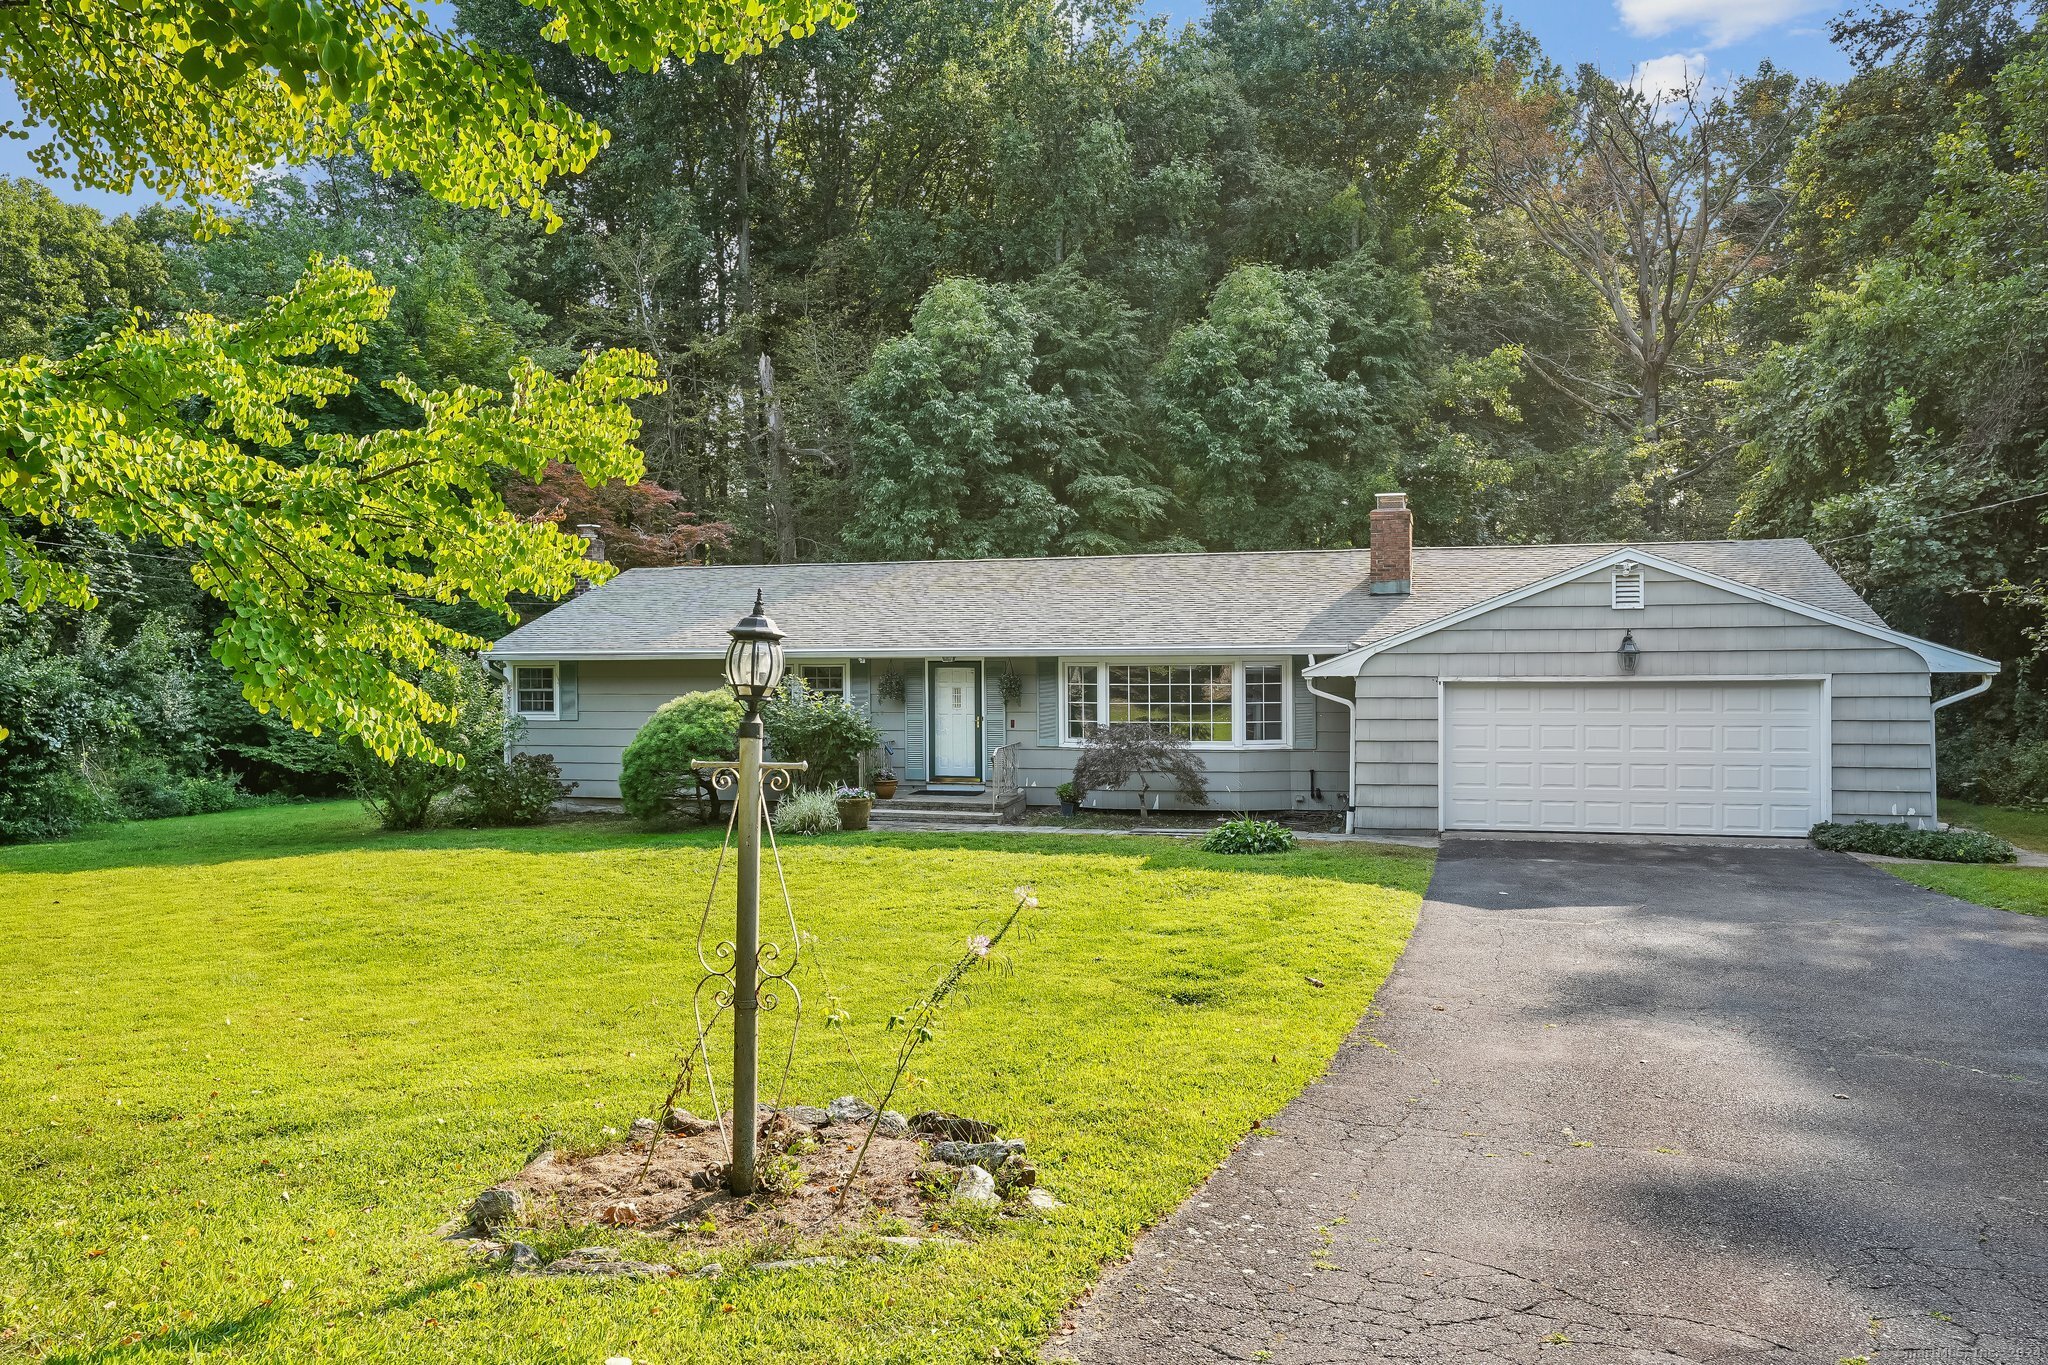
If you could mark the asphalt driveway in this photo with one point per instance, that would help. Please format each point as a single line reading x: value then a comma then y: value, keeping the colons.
x: 1641, y: 1104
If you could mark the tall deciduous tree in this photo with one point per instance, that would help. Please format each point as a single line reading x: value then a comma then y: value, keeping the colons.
x: 174, y: 436
x: 188, y: 97
x: 1269, y: 449
x: 1667, y: 204
x: 969, y: 445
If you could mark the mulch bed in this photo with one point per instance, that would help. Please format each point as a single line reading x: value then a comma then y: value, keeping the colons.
x: 679, y: 1189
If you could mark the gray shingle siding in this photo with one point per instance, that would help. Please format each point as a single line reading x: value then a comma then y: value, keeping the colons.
x: 619, y: 696
x: 1881, y: 714
x: 654, y: 633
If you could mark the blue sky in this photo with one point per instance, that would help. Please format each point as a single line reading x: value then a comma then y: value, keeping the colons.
x: 1657, y: 41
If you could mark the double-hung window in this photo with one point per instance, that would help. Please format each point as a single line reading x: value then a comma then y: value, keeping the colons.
x: 826, y: 679
x: 534, y: 691
x: 1265, y: 697
x: 1214, y: 704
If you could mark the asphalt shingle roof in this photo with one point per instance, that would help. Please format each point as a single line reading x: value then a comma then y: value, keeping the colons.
x: 1304, y: 601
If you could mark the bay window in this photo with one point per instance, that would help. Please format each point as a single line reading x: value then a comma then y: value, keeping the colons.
x: 1215, y: 704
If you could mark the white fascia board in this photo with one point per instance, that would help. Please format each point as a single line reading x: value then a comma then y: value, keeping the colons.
x: 1939, y: 658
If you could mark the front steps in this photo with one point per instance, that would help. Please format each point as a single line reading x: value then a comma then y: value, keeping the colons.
x: 937, y: 808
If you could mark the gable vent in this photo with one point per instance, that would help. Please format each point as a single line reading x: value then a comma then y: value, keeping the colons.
x: 1628, y: 588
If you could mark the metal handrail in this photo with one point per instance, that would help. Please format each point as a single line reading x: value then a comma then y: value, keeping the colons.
x: 1002, y: 774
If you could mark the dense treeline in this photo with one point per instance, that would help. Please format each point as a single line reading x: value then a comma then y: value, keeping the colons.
x: 975, y: 277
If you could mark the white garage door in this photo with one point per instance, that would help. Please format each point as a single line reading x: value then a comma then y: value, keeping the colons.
x: 1637, y: 757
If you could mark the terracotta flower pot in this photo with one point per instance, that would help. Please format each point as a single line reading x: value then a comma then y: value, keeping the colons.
x: 854, y: 814
x: 885, y: 787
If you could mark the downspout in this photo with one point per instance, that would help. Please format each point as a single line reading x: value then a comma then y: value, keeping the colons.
x: 1350, y: 705
x: 1979, y: 690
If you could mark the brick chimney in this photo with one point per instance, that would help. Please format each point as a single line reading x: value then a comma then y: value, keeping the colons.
x: 1393, y: 544
x: 593, y: 549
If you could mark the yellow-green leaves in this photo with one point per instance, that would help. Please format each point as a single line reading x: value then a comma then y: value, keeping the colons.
x: 190, y: 97
x: 322, y: 562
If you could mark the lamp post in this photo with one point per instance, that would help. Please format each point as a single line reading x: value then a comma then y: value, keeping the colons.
x: 753, y: 666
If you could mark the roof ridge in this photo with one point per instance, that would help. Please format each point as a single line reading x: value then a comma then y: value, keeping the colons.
x: 1209, y: 554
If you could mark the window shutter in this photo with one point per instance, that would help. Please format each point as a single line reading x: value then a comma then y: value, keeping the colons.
x: 565, y: 691
x: 1304, y: 709
x: 1049, y: 702
x: 915, y: 719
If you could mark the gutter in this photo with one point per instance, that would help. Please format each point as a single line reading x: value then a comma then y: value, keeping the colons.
x: 1933, y: 746
x: 1350, y: 705
x: 1979, y: 690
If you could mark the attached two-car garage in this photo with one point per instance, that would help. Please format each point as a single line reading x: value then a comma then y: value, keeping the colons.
x: 1720, y: 757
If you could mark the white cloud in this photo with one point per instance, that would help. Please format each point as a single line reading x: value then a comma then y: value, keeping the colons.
x: 1663, y: 80
x: 1721, y: 21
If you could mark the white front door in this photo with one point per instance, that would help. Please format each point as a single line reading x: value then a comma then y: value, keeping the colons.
x: 955, y: 713
x: 1633, y: 757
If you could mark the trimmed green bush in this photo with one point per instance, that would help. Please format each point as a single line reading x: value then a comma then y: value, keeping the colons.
x: 807, y: 812
x: 654, y: 772
x: 1246, y: 835
x: 1897, y: 841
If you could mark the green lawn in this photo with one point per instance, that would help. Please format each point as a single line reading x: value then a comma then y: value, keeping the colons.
x: 2023, y: 828
x: 2024, y: 889
x: 248, y: 1062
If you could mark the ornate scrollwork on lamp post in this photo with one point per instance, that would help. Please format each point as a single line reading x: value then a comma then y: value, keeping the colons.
x: 753, y: 667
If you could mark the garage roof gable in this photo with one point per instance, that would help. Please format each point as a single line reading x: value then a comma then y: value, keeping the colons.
x: 1939, y: 658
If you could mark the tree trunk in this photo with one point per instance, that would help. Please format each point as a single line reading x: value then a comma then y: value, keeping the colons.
x: 781, y: 499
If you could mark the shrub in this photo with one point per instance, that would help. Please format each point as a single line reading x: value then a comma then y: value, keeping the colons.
x: 1114, y: 754
x: 807, y: 811
x: 1996, y: 769
x: 211, y: 793
x: 825, y: 731
x: 99, y: 725
x: 1898, y: 841
x: 402, y: 795
x: 517, y: 792
x: 655, y: 770
x: 1246, y: 835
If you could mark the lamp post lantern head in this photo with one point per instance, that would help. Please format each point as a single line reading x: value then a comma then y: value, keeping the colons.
x: 753, y: 662
x: 1628, y: 651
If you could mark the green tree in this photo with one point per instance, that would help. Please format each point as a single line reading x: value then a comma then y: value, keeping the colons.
x: 61, y: 263
x: 962, y: 453
x: 189, y: 99
x: 1269, y: 449
x: 1903, y: 429
x: 323, y: 564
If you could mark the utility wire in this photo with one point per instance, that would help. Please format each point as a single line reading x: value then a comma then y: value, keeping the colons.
x: 1946, y: 516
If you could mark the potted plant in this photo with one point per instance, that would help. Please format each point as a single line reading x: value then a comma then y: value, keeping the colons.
x: 1069, y: 798
x: 855, y: 805
x: 885, y: 784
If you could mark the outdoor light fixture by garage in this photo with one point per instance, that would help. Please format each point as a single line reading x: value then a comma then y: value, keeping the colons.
x: 1628, y: 651
x: 753, y: 662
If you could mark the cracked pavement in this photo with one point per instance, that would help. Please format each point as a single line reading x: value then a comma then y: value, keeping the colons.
x: 1640, y: 1105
